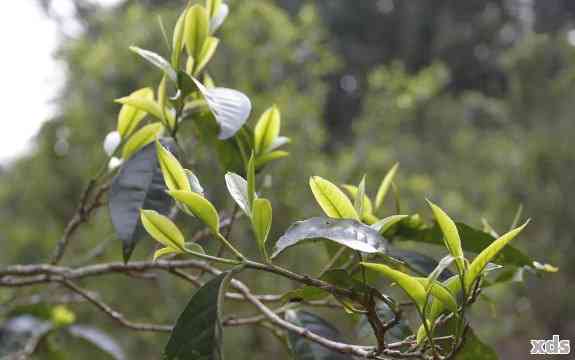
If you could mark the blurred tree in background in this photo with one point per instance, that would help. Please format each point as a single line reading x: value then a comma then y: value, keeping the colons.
x: 474, y: 98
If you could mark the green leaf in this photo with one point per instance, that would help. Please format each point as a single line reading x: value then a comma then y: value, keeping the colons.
x: 198, y: 333
x: 474, y: 349
x: 348, y: 233
x: 164, y: 252
x: 412, y: 287
x: 196, y: 31
x: 230, y: 108
x: 156, y: 60
x: 213, y: 6
x: 178, y: 40
x: 420, y: 264
x: 473, y: 240
x: 139, y: 184
x: 162, y: 229
x: 262, y: 222
x: 129, y: 116
x: 149, y: 106
x: 199, y: 207
x: 219, y: 17
x: 141, y: 138
x: 307, y: 350
x: 208, y: 51
x: 194, y: 182
x: 174, y: 174
x: 477, y: 265
x: 331, y: 199
x: 359, y: 202
x: 367, y: 213
x: 385, y: 224
x: 384, y: 186
x: 270, y: 156
x: 251, y: 174
x: 440, y: 292
x: 450, y: 235
x: 238, y: 189
x: 267, y: 130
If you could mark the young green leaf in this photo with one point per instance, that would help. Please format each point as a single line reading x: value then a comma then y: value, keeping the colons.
x: 141, y: 138
x: 156, y: 60
x: 440, y: 292
x: 251, y: 172
x: 270, y: 156
x: 199, y: 207
x: 412, y: 287
x: 162, y: 229
x: 367, y: 215
x: 178, y: 40
x: 331, y: 199
x: 218, y: 19
x: 267, y: 129
x: 174, y: 174
x: 149, y: 106
x: 196, y: 30
x: 477, y: 265
x: 450, y: 235
x: 385, y: 185
x: 386, y: 223
x: 213, y: 6
x: 168, y: 250
x: 238, y: 188
x: 129, y: 116
x: 208, y: 51
x: 359, y: 202
x: 262, y: 222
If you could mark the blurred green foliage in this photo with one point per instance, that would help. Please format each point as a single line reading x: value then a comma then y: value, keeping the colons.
x: 479, y: 134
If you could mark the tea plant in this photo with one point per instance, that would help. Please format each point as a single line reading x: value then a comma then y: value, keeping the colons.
x: 146, y: 185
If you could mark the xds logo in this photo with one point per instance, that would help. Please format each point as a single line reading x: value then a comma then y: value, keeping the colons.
x: 554, y: 346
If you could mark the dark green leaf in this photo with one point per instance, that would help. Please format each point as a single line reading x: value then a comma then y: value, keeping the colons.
x: 473, y: 240
x: 419, y: 263
x: 139, y: 184
x: 306, y: 350
x: 197, y: 334
x: 349, y: 233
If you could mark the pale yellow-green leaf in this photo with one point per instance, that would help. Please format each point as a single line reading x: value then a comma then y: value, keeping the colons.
x: 195, y: 248
x: 385, y: 185
x: 168, y: 250
x: 196, y: 30
x: 331, y: 199
x: 149, y: 106
x: 178, y: 40
x: 129, y: 116
x: 251, y: 174
x: 450, y: 235
x: 163, y: 99
x: 386, y: 223
x: 174, y: 174
x: 162, y: 229
x: 262, y: 222
x: 267, y: 129
x: 208, y: 51
x: 367, y: 214
x: 271, y: 156
x: 141, y: 138
x: 477, y: 265
x: 213, y: 6
x: 440, y: 292
x: 199, y: 207
x: 412, y: 287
